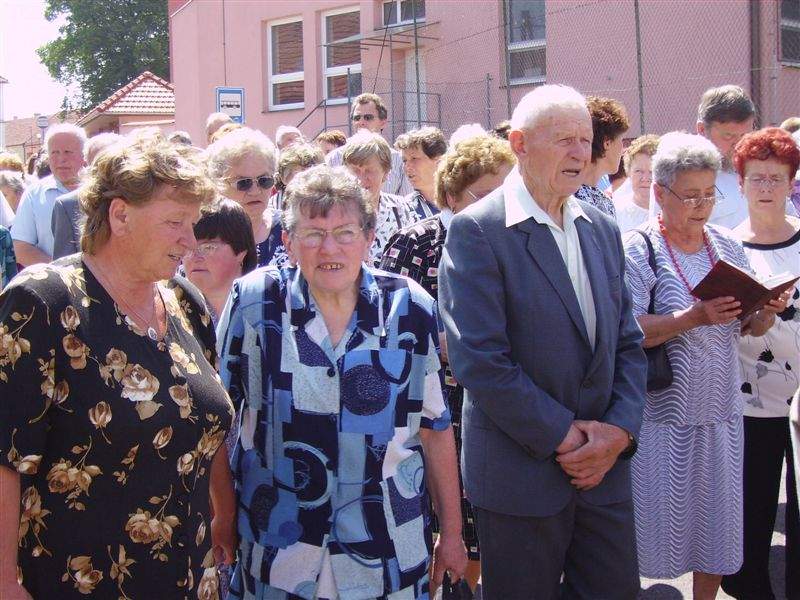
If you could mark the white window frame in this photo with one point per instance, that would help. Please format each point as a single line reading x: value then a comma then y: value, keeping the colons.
x: 398, y: 13
x: 327, y: 71
x: 282, y: 77
x: 516, y: 47
x: 787, y: 24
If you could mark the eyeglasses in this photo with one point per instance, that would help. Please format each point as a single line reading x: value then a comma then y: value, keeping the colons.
x: 768, y: 182
x: 204, y: 249
x: 366, y: 118
x: 702, y: 201
x: 313, y: 238
x: 243, y: 184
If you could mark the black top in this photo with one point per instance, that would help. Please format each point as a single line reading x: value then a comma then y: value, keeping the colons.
x: 113, y: 434
x: 271, y: 251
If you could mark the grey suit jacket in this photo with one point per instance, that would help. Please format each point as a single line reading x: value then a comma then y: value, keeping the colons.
x: 66, y: 225
x: 518, y: 344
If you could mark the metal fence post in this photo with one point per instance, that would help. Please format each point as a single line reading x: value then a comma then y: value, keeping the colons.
x: 507, y: 57
x: 416, y: 64
x: 639, y: 65
x: 488, y: 101
x: 349, y: 106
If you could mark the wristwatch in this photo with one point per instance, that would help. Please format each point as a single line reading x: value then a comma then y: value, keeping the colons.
x: 632, y: 447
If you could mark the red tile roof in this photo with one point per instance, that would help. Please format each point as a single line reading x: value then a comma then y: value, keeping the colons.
x: 148, y: 94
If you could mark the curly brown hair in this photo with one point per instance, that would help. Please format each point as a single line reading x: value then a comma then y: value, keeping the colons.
x: 609, y: 121
x: 468, y: 161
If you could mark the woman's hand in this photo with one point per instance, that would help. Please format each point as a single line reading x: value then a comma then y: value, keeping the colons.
x: 14, y: 591
x: 779, y: 304
x: 449, y: 554
x: 718, y: 311
x: 224, y: 538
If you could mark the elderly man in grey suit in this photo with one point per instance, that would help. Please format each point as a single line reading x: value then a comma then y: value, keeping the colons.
x: 66, y: 219
x: 541, y: 335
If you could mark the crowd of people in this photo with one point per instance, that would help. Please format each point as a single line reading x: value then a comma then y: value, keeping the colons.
x: 249, y: 370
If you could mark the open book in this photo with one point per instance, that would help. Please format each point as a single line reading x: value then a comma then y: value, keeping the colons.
x: 725, y: 279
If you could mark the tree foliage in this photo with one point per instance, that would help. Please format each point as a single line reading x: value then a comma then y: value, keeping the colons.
x: 104, y: 44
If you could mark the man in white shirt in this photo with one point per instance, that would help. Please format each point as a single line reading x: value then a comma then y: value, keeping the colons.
x: 31, y: 231
x: 725, y: 115
x: 369, y: 112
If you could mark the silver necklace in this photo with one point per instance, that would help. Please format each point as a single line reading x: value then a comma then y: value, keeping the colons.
x: 151, y: 332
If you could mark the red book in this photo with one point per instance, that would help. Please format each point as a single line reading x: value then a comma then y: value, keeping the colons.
x: 725, y: 279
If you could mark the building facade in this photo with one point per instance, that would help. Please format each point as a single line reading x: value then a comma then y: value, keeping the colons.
x: 449, y: 62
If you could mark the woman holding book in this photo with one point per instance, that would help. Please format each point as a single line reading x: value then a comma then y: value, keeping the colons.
x: 686, y: 474
x: 766, y: 162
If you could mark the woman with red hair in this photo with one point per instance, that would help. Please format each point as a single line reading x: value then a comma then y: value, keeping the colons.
x: 766, y: 162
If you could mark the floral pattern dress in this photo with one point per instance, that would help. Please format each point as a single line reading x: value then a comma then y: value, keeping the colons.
x: 113, y: 435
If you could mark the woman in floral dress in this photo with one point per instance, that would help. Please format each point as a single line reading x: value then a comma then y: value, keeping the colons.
x: 111, y: 411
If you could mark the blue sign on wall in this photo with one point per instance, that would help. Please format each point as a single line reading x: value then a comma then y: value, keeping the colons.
x: 230, y: 100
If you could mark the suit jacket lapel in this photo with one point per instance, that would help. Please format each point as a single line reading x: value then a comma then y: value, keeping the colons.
x: 544, y: 251
x: 598, y: 279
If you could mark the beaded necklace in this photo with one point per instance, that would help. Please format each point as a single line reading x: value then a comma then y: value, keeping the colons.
x: 706, y: 244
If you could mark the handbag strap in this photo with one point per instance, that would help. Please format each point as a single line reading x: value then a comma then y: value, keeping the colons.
x: 651, y: 260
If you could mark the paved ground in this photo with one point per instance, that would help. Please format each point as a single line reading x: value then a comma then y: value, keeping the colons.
x: 678, y: 589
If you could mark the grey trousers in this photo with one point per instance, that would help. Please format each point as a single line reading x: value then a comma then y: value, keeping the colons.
x: 592, y: 547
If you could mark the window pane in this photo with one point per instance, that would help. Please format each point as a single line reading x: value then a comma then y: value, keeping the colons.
x: 390, y: 12
x: 339, y: 27
x: 337, y: 86
x: 287, y: 93
x: 790, y: 44
x: 790, y: 9
x: 526, y: 20
x: 287, y: 48
x: 405, y: 10
x: 527, y: 64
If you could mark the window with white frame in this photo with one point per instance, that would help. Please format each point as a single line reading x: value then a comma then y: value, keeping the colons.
x: 790, y: 31
x: 339, y: 58
x: 285, y: 63
x: 400, y: 12
x: 527, y: 52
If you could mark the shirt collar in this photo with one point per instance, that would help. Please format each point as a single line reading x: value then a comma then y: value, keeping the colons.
x: 446, y: 215
x: 51, y: 183
x: 304, y: 310
x: 521, y: 206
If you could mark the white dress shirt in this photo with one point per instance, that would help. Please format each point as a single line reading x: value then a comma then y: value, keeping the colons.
x: 521, y: 206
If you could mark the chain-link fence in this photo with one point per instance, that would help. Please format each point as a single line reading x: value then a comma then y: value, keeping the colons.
x: 475, y: 60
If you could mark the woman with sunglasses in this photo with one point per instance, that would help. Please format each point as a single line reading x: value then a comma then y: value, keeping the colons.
x: 243, y: 163
x: 766, y: 162
x: 687, y: 472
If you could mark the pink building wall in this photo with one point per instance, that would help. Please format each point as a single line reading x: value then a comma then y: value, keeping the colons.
x: 687, y: 46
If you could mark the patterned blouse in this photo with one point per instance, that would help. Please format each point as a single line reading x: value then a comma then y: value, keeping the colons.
x: 422, y: 207
x: 113, y: 434
x: 8, y: 261
x: 394, y: 214
x: 415, y: 252
x: 271, y: 252
x: 596, y: 198
x: 329, y: 466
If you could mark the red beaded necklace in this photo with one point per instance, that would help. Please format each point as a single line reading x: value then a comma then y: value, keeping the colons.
x: 678, y: 269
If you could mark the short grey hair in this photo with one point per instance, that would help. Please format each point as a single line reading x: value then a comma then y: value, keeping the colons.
x: 216, y: 120
x: 543, y: 99
x: 97, y: 143
x: 679, y: 151
x: 68, y: 128
x: 282, y: 130
x: 316, y: 191
x: 725, y: 104
x: 236, y: 145
x: 13, y: 180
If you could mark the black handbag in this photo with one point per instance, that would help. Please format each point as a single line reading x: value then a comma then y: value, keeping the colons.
x: 659, y: 369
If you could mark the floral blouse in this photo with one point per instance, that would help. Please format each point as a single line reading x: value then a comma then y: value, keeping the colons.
x: 113, y: 435
x: 329, y: 466
x: 596, y: 198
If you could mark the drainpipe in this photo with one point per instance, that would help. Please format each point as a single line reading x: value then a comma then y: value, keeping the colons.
x: 755, y: 59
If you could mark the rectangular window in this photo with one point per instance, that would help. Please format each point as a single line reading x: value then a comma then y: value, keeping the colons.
x: 285, y: 63
x: 527, y: 41
x: 338, y: 56
x: 401, y: 12
x: 790, y: 31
